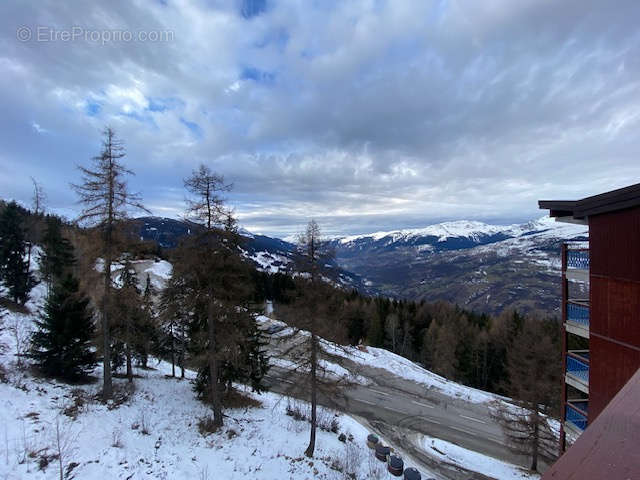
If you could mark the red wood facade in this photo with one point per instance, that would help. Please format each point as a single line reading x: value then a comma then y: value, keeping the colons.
x: 610, y: 319
x: 614, y: 343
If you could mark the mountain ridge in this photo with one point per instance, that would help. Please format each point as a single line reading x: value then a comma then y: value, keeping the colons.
x: 478, y: 266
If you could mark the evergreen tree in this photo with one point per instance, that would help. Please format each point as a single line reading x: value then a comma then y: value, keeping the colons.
x: 147, y: 330
x: 244, y: 362
x: 57, y: 252
x: 175, y: 316
x: 129, y: 313
x: 14, y: 267
x: 61, y: 347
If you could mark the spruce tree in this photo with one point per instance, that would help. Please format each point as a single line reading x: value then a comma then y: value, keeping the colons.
x: 57, y: 252
x: 126, y: 325
x: 61, y: 347
x: 174, y: 319
x: 147, y: 334
x: 14, y: 267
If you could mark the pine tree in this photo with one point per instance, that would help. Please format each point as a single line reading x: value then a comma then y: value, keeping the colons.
x: 57, y: 252
x: 61, y: 347
x: 127, y: 323
x: 245, y: 361
x: 175, y: 316
x: 14, y: 267
x: 147, y: 330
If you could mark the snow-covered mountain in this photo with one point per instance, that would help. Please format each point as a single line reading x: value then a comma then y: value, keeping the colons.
x: 457, y: 235
x: 477, y: 265
x: 271, y: 255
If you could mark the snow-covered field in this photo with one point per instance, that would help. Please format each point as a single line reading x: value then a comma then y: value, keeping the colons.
x: 152, y: 432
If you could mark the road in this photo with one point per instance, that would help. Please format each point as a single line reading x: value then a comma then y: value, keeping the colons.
x: 400, y: 410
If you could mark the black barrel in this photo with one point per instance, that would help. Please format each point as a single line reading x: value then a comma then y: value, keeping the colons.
x: 395, y: 466
x: 411, y: 474
x: 382, y: 452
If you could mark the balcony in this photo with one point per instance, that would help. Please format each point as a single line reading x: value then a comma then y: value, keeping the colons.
x: 575, y: 416
x: 578, y: 317
x: 577, y: 267
x: 577, y: 374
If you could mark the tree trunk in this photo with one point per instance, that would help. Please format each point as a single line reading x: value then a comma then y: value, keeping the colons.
x: 127, y: 351
x: 107, y: 388
x: 173, y: 354
x: 213, y: 366
x: 26, y: 280
x: 314, y: 395
x: 536, y: 439
x: 129, y: 366
x: 182, y: 352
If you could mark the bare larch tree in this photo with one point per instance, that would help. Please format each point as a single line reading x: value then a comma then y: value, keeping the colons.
x: 207, y: 207
x: 37, y: 204
x: 535, y: 389
x: 312, y: 306
x: 106, y: 199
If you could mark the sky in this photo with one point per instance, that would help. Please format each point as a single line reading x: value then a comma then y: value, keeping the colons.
x: 365, y: 115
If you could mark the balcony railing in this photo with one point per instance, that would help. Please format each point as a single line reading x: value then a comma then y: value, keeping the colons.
x: 578, y: 258
x: 578, y: 365
x: 578, y: 313
x: 575, y: 417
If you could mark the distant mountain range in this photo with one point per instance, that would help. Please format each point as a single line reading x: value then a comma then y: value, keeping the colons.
x: 476, y: 265
x: 268, y: 254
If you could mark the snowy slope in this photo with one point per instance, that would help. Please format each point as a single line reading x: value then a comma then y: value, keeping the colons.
x: 152, y: 432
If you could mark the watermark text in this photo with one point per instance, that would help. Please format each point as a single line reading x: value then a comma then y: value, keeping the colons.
x: 76, y: 33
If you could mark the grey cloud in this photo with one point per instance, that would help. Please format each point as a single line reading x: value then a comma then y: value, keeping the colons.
x: 375, y: 114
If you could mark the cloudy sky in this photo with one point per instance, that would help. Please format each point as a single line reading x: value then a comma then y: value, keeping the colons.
x: 366, y: 115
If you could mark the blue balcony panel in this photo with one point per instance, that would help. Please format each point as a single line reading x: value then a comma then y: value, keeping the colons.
x: 578, y: 368
x: 577, y: 419
x: 578, y: 259
x: 578, y: 314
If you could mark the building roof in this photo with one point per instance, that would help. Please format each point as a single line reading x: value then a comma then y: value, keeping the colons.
x: 627, y: 197
x: 608, y: 448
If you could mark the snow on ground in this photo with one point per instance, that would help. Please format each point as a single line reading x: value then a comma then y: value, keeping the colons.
x: 154, y: 433
x: 269, y: 262
x: 448, y: 452
x: 159, y: 271
x: 386, y: 360
x: 400, y: 366
x: 330, y: 369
